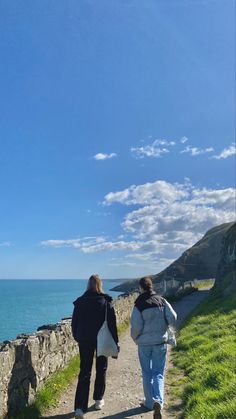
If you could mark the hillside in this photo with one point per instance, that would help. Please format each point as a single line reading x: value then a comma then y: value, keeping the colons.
x: 203, y: 377
x: 226, y: 273
x: 198, y: 262
x: 207, y: 388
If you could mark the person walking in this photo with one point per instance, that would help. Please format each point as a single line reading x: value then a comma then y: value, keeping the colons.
x: 150, y: 318
x: 88, y: 317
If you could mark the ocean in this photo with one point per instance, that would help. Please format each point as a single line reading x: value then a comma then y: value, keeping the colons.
x: 27, y: 304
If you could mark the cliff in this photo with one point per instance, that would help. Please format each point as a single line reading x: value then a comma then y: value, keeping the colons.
x: 226, y: 273
x: 198, y: 262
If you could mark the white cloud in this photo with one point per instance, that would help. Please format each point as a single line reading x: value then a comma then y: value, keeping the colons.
x: 183, y: 140
x: 5, y: 244
x: 163, y: 142
x: 110, y: 245
x: 170, y: 218
x: 93, y: 244
x: 148, y: 193
x: 195, y: 151
x: 78, y: 243
x: 224, y: 199
x: 61, y: 243
x: 156, y: 149
x: 104, y: 156
x: 227, y: 152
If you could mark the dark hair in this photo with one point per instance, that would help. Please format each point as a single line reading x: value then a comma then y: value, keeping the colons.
x: 95, y: 284
x: 146, y: 283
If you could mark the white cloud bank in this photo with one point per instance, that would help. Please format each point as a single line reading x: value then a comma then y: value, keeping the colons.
x: 168, y: 219
x: 104, y: 156
x: 227, y: 152
x: 156, y: 149
x: 195, y: 151
x: 160, y: 147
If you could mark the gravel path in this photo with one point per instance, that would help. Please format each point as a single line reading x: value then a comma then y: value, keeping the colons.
x: 124, y: 382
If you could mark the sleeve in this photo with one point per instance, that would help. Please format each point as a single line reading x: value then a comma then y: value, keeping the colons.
x: 111, y: 320
x: 74, y: 322
x: 136, y: 323
x: 170, y: 314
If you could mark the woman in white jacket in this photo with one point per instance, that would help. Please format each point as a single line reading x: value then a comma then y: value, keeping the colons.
x: 149, y: 322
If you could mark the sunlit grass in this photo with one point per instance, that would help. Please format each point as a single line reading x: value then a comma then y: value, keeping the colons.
x: 204, y: 373
x: 204, y: 283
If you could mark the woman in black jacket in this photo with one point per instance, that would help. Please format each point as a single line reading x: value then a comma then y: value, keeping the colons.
x: 88, y: 317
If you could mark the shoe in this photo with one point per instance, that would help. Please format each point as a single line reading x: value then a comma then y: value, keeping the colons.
x: 157, y: 410
x: 147, y: 408
x: 79, y: 414
x: 99, y: 404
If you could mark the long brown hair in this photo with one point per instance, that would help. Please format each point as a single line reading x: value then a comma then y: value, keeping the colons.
x: 95, y: 284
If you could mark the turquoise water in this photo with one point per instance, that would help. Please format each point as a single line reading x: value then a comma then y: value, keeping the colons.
x: 27, y: 304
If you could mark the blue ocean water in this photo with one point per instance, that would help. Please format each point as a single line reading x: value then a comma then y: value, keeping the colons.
x: 27, y: 304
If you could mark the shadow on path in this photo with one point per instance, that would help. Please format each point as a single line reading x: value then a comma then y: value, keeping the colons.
x: 121, y: 415
x: 187, y: 304
x: 64, y: 416
x: 127, y: 413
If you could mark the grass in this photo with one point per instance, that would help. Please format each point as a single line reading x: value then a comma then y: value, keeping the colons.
x: 49, y: 395
x: 204, y: 373
x: 204, y: 283
x: 123, y: 326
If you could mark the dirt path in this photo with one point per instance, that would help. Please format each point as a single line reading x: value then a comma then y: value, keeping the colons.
x: 124, y: 382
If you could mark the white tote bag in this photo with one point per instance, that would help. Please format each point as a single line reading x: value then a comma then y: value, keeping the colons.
x: 106, y: 346
x: 171, y: 337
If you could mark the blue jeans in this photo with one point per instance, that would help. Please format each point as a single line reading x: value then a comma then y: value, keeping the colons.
x: 153, y: 360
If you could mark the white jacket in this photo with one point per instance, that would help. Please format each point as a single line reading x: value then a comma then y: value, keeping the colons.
x: 150, y: 319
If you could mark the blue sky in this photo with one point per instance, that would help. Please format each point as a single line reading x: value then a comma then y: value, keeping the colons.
x: 117, y: 133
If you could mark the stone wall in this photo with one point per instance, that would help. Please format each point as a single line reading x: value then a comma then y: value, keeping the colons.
x: 27, y: 362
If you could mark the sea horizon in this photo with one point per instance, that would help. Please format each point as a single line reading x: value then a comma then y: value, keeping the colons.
x: 28, y: 304
x: 63, y: 279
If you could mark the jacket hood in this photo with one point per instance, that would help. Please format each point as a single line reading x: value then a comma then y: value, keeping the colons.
x: 144, y: 296
x: 149, y: 299
x: 93, y: 296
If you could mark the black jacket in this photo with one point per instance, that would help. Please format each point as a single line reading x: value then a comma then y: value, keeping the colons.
x: 89, y: 315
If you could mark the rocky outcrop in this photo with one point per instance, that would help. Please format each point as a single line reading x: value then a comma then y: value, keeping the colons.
x: 27, y: 362
x: 198, y: 262
x: 226, y: 274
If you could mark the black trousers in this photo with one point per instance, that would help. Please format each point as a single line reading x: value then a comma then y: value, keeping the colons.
x: 86, y: 363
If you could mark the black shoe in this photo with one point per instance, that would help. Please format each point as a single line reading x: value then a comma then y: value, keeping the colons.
x: 157, y: 410
x: 145, y: 408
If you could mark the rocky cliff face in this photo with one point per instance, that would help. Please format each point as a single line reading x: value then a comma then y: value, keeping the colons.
x: 226, y: 274
x: 198, y: 262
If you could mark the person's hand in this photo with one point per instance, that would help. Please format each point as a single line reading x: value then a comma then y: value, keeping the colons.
x: 118, y: 351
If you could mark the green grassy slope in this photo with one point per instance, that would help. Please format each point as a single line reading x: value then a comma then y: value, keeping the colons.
x: 204, y: 374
